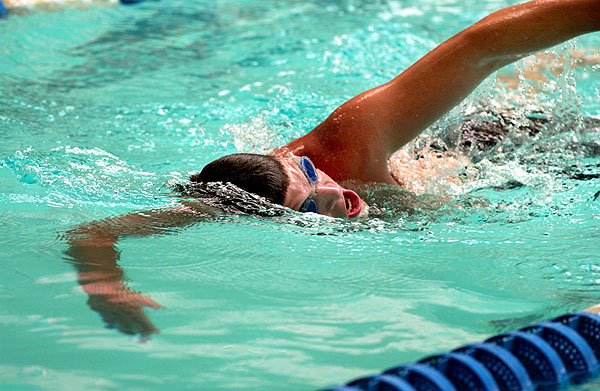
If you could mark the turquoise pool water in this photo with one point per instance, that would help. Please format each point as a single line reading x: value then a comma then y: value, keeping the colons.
x: 103, y: 109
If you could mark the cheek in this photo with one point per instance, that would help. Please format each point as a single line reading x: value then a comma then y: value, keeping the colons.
x: 332, y: 204
x: 295, y: 196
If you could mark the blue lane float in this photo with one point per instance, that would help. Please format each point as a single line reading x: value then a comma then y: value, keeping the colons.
x: 577, y: 355
x: 3, y: 11
x: 423, y: 377
x: 508, y: 372
x: 543, y: 364
x: 587, y: 326
x: 544, y: 356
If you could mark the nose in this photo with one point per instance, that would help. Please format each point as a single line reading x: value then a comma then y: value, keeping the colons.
x: 330, y: 201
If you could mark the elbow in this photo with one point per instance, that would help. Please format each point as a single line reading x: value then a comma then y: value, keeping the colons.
x: 89, y: 236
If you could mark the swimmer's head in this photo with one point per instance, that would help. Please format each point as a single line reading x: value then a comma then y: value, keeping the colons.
x: 290, y: 181
x: 258, y: 174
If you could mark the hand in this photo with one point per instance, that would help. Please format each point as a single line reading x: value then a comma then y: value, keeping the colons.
x: 120, y: 307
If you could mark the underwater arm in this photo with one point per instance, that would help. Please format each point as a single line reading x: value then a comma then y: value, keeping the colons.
x: 93, y: 252
x: 389, y: 116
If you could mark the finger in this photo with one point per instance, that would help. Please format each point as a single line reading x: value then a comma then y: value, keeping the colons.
x: 148, y: 302
x: 139, y: 300
x: 132, y: 298
x: 144, y: 325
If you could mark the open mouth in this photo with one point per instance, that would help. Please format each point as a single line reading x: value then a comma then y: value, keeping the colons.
x: 352, y: 201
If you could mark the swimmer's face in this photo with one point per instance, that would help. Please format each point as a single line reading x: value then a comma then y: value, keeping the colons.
x: 330, y: 198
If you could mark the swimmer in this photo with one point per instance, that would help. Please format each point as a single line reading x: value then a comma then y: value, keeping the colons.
x: 353, y: 145
x: 350, y: 147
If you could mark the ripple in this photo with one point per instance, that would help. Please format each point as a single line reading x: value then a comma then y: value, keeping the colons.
x: 563, y: 272
x: 76, y: 175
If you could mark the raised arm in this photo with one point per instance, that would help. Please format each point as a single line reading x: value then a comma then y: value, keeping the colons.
x: 93, y: 251
x: 378, y: 122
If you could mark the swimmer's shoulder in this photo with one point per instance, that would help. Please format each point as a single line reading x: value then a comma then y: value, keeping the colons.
x: 343, y: 153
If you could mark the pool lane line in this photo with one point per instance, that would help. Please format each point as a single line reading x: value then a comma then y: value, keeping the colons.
x: 3, y: 11
x: 544, y: 356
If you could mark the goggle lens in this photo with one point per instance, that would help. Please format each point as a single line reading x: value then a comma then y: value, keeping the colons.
x: 309, y: 169
x: 309, y: 206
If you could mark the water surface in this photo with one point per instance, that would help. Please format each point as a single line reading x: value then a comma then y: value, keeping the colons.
x: 103, y: 109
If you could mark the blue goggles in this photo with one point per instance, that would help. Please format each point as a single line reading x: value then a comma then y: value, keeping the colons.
x: 310, y: 172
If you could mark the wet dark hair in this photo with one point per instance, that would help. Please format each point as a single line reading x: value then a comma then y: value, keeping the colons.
x: 262, y: 175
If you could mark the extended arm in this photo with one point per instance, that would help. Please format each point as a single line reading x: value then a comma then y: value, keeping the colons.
x: 378, y: 122
x: 93, y: 252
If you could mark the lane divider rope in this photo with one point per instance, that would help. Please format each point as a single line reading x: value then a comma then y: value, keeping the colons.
x: 544, y: 356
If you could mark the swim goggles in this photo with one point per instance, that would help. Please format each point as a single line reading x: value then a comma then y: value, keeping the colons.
x: 310, y: 172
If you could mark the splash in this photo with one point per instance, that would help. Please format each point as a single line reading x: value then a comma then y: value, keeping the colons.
x: 253, y: 136
x: 529, y: 110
